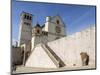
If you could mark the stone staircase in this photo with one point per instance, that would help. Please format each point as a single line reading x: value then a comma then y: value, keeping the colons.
x: 57, y: 61
x: 53, y: 56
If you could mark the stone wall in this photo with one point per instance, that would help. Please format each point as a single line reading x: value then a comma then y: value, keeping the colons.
x: 16, y: 56
x: 70, y: 47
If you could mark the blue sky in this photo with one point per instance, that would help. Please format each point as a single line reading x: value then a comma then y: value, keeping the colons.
x: 75, y: 17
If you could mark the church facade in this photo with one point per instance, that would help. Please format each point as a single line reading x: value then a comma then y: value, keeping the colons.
x: 30, y: 36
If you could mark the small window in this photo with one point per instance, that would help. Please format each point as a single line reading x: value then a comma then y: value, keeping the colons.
x: 27, y: 23
x: 27, y: 17
x: 24, y: 16
x: 38, y: 31
x: 30, y: 18
x: 57, y: 21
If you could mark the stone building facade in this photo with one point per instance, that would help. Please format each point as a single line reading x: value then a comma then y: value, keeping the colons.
x: 30, y: 36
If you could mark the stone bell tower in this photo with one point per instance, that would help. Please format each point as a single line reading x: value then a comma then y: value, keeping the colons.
x: 25, y: 33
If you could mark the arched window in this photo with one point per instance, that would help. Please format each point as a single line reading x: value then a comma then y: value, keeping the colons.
x: 30, y: 18
x: 38, y: 31
x: 25, y: 16
x: 57, y: 21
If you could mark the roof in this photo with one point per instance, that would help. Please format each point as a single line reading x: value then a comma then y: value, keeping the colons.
x: 37, y: 25
x: 43, y: 26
